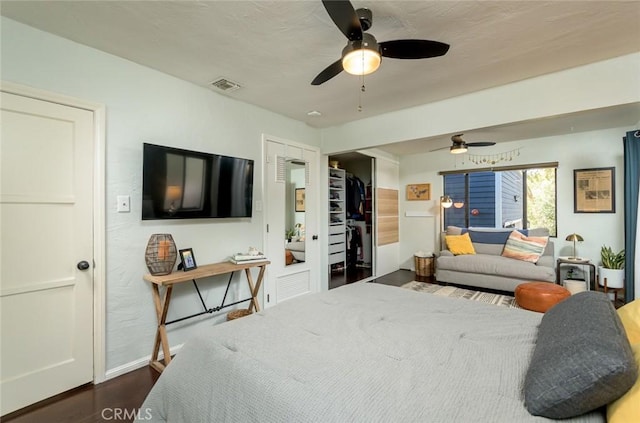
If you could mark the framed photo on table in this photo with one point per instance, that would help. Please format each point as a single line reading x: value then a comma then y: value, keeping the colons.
x: 188, y: 260
x: 594, y: 190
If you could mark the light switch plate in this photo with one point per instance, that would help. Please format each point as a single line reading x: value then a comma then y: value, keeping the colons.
x: 124, y: 205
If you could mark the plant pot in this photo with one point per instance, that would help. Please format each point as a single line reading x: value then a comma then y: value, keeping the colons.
x: 615, y: 277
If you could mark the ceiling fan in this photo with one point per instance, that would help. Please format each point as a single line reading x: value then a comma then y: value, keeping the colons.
x: 460, y: 146
x: 362, y: 54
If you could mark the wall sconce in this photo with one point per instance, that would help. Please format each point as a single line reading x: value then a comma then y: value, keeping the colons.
x: 458, y: 204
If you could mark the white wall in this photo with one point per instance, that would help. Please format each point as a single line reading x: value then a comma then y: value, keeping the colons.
x: 144, y: 105
x: 576, y: 151
x: 597, y: 85
x: 387, y: 176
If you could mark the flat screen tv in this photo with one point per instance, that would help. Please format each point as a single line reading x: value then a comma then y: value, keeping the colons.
x: 184, y: 184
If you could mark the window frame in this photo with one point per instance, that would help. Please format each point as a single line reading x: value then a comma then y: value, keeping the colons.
x: 524, y: 168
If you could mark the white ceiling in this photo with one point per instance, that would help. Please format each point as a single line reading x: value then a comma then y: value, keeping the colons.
x: 273, y: 49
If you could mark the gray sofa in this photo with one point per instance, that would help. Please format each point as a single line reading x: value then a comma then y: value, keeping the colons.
x: 487, y: 268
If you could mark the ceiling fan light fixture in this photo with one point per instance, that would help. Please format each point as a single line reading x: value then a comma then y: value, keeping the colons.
x: 361, y: 57
x: 458, y: 149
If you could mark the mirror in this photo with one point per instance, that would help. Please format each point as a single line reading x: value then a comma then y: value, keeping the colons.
x: 294, y: 237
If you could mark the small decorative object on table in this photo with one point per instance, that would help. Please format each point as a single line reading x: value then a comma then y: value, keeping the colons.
x: 160, y: 254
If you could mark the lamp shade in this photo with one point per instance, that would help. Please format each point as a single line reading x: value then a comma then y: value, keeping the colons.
x: 458, y: 149
x: 361, y: 57
x: 446, y: 201
x: 574, y: 237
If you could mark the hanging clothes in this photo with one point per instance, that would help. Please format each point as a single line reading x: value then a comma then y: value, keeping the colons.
x: 355, y: 196
x: 354, y: 246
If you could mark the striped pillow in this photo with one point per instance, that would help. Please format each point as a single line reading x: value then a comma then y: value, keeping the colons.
x: 526, y: 248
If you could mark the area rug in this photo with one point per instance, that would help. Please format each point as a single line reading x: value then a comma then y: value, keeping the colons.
x: 467, y: 294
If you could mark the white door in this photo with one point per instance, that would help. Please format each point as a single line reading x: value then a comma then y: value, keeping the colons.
x: 46, y: 250
x: 301, y: 275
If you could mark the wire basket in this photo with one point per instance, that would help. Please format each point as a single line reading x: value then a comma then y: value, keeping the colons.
x: 423, y: 265
x: 236, y: 314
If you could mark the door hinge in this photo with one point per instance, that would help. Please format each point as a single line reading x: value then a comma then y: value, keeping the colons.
x: 267, y: 297
x: 267, y: 228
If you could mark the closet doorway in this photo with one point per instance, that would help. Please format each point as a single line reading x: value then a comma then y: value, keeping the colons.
x: 359, y: 189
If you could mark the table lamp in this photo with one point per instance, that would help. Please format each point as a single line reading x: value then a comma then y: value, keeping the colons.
x: 574, y: 237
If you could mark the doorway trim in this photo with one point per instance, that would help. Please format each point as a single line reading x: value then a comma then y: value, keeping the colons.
x: 99, y: 228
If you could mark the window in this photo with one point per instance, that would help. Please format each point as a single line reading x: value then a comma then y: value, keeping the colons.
x: 509, y: 197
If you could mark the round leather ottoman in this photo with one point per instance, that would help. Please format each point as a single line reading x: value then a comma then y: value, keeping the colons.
x: 540, y: 296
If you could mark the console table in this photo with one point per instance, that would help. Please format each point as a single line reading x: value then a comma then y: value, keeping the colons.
x: 167, y: 281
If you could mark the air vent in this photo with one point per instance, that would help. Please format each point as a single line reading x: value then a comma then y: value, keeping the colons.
x: 223, y: 84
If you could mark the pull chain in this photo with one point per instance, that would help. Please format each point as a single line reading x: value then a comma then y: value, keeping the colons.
x: 362, y: 89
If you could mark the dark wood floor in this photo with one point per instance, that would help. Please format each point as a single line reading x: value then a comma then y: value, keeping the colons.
x: 113, y: 400
x: 125, y: 394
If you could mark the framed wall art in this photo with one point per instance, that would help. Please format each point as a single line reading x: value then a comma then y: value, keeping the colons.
x: 299, y: 200
x: 594, y: 190
x: 418, y: 192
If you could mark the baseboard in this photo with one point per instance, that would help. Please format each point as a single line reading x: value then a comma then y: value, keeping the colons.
x: 136, y: 364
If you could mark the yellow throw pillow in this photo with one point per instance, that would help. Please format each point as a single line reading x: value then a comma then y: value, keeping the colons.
x: 460, y: 244
x: 630, y: 317
x: 627, y: 408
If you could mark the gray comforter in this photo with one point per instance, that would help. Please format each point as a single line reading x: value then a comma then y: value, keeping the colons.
x: 360, y: 353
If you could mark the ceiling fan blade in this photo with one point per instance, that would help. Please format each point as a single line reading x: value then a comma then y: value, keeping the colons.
x: 439, y: 149
x: 413, y: 49
x: 345, y: 18
x: 330, y: 71
x: 480, y: 144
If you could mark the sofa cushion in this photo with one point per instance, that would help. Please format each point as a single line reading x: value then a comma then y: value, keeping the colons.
x: 481, y: 237
x: 496, y: 265
x: 460, y: 244
x: 526, y: 248
x: 582, y: 359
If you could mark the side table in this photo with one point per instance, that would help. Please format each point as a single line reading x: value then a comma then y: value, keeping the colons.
x: 591, y: 285
x: 168, y: 281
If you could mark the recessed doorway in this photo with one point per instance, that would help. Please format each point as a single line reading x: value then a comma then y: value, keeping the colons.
x: 359, y: 221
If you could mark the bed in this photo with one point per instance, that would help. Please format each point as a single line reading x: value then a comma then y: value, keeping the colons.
x: 363, y: 352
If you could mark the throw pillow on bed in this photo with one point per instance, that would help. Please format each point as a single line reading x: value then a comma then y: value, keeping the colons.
x: 582, y: 359
x: 526, y: 248
x: 460, y: 244
x: 627, y: 408
x: 630, y: 317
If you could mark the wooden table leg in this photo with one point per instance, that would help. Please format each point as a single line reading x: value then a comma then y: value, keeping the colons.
x: 162, y: 307
x: 255, y: 305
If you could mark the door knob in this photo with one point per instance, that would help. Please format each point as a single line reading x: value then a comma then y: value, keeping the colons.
x: 83, y: 265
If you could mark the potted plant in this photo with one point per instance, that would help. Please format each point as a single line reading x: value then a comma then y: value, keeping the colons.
x: 289, y: 234
x: 612, y: 268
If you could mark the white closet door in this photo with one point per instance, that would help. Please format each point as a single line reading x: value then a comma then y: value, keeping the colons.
x: 288, y: 281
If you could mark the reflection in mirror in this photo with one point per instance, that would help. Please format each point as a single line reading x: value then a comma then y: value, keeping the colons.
x: 294, y: 215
